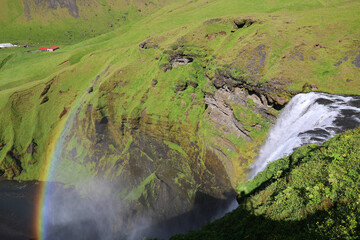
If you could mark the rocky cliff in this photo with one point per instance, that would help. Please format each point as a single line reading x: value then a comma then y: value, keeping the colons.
x: 173, y: 107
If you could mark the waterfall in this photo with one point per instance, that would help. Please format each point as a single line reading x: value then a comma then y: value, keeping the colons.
x: 308, y: 118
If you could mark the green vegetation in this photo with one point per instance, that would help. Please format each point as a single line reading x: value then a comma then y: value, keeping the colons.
x: 312, y: 194
x: 147, y: 85
x: 30, y: 23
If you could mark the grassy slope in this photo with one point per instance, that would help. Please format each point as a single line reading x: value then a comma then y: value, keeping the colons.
x: 303, y: 40
x: 288, y: 201
x: 25, y: 22
x: 288, y: 32
x: 279, y: 31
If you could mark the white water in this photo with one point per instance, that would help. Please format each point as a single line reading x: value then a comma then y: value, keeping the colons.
x: 307, y: 118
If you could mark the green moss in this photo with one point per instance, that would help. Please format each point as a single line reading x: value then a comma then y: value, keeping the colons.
x: 136, y: 193
x: 176, y: 148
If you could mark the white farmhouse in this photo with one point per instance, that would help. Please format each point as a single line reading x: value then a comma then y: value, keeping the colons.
x: 6, y: 45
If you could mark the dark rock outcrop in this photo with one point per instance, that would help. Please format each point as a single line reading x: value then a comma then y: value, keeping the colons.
x: 44, y: 100
x: 256, y: 65
x: 242, y: 23
x: 356, y: 61
x: 71, y: 5
x: 148, y: 45
x: 181, y: 60
x: 222, y: 115
x: 270, y: 93
x: 11, y: 165
x: 170, y: 168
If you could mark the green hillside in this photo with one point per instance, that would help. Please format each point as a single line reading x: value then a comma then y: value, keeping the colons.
x: 287, y: 201
x: 66, y: 22
x: 176, y: 97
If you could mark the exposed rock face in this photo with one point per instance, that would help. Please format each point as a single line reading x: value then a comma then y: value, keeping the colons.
x: 71, y: 5
x: 180, y: 60
x: 222, y: 115
x: 256, y: 65
x: 223, y: 112
x: 356, y: 61
x: 148, y: 45
x: 270, y: 93
x: 11, y: 165
x: 242, y: 23
x: 164, y: 175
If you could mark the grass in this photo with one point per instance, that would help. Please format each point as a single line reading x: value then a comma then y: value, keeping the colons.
x: 287, y: 201
x: 173, y: 110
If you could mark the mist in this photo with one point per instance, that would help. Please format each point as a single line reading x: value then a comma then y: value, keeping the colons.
x: 88, y: 211
x: 91, y: 210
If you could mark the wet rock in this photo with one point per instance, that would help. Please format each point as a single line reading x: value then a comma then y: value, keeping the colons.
x: 324, y: 101
x: 355, y: 103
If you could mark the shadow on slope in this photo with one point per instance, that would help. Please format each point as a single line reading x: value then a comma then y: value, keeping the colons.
x: 244, y: 224
x: 206, y: 209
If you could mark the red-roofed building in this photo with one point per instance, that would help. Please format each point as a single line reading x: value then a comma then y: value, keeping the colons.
x: 49, y: 49
x: 53, y: 48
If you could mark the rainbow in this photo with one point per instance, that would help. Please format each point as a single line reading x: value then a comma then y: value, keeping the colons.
x: 52, y: 155
x: 51, y: 158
